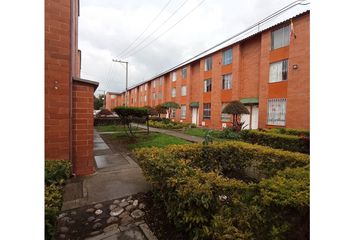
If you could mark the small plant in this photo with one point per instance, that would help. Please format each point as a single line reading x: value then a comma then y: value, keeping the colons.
x: 208, y: 137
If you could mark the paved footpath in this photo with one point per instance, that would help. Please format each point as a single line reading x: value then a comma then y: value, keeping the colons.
x: 105, y: 205
x: 181, y: 135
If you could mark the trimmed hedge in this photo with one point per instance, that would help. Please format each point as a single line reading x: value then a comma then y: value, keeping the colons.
x: 274, y: 140
x: 168, y: 125
x: 56, y: 173
x: 104, y: 121
x: 210, y: 206
x: 290, y: 131
x: 232, y: 157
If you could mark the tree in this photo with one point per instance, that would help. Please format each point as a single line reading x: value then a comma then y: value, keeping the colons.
x: 160, y: 109
x: 98, y: 101
x: 151, y: 111
x: 128, y: 114
x: 236, y: 108
x: 169, y: 106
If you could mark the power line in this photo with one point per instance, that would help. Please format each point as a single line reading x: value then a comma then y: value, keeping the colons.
x: 142, y: 41
x: 136, y: 39
x: 149, y: 43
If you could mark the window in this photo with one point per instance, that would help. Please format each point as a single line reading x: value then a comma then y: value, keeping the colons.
x: 183, y: 111
x: 173, y: 94
x: 224, y: 116
x: 145, y: 98
x: 161, y: 80
x: 174, y: 76
x: 160, y: 95
x: 173, y: 113
x: 184, y: 73
x: 154, y: 84
x: 184, y: 90
x: 208, y: 64
x: 146, y: 86
x: 276, y: 111
x: 227, y: 57
x: 154, y: 96
x: 113, y: 96
x: 280, y: 37
x: 207, y: 85
x: 278, y: 71
x: 226, y: 81
x: 206, y: 110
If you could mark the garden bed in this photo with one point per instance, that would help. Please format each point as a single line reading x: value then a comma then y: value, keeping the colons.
x: 202, y: 198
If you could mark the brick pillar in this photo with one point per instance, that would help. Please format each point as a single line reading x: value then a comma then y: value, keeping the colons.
x: 82, y: 129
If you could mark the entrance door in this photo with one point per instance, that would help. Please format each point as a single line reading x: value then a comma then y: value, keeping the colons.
x: 254, y: 117
x: 246, y: 118
x: 195, y: 116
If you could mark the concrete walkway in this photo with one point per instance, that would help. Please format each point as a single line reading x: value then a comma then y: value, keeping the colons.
x: 117, y: 175
x: 181, y: 135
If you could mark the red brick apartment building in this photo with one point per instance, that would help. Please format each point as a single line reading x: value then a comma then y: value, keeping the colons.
x: 266, y: 67
x: 68, y: 98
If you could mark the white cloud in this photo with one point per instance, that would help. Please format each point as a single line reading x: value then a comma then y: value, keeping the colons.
x: 106, y: 27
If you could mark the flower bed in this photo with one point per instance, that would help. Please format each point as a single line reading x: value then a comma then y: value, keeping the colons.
x: 203, y: 196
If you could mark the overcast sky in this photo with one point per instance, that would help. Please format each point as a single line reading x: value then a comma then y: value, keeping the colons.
x: 108, y: 27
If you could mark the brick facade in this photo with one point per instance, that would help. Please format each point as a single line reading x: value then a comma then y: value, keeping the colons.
x: 65, y: 100
x: 251, y: 59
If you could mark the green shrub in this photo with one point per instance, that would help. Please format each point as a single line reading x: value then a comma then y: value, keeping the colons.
x: 290, y: 131
x: 229, y: 133
x: 57, y: 171
x: 274, y: 140
x: 210, y: 206
x: 167, y: 124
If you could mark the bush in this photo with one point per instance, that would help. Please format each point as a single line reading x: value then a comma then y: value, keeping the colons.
x: 57, y: 171
x: 290, y: 131
x: 104, y: 112
x: 274, y: 140
x: 104, y: 121
x: 229, y: 133
x: 209, y: 206
x: 167, y: 124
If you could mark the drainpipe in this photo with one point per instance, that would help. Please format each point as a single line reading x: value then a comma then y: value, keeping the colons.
x: 71, y: 88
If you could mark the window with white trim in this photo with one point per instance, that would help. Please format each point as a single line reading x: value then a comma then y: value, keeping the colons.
x: 173, y: 113
x: 208, y: 62
x: 184, y: 90
x: 276, y: 112
x: 113, y: 96
x: 183, y: 111
x: 207, y: 85
x: 173, y: 93
x: 160, y: 95
x: 206, y: 110
x: 154, y: 96
x: 280, y: 37
x: 154, y: 84
x: 227, y: 57
x: 278, y: 71
x: 225, y: 117
x: 146, y: 86
x: 226, y: 81
x: 173, y: 77
x: 184, y: 72
x: 161, y: 80
x: 145, y: 98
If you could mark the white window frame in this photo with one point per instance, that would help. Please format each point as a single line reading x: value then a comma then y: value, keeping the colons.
x: 184, y: 73
x: 276, y: 111
x: 154, y: 84
x: 183, y: 111
x: 279, y: 71
x: 145, y: 86
x: 173, y: 92
x: 184, y: 90
x: 145, y: 98
x: 226, y: 81
x: 174, y: 76
x: 227, y: 59
x: 208, y: 110
x: 280, y: 37
x: 206, y: 85
x: 161, y: 80
x: 208, y: 63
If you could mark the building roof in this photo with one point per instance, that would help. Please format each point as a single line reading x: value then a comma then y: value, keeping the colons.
x: 286, y: 13
x: 95, y: 84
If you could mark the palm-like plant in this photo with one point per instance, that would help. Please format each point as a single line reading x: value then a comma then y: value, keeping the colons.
x: 236, y: 108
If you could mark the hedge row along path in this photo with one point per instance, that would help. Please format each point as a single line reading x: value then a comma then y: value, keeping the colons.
x: 106, y: 205
x: 193, y: 139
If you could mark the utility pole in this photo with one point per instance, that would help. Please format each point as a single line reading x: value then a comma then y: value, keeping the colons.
x: 126, y: 80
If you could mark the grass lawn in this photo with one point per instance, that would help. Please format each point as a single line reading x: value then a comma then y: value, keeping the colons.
x: 113, y: 128
x: 141, y: 140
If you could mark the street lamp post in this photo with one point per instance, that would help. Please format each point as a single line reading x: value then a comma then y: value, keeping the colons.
x: 126, y: 79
